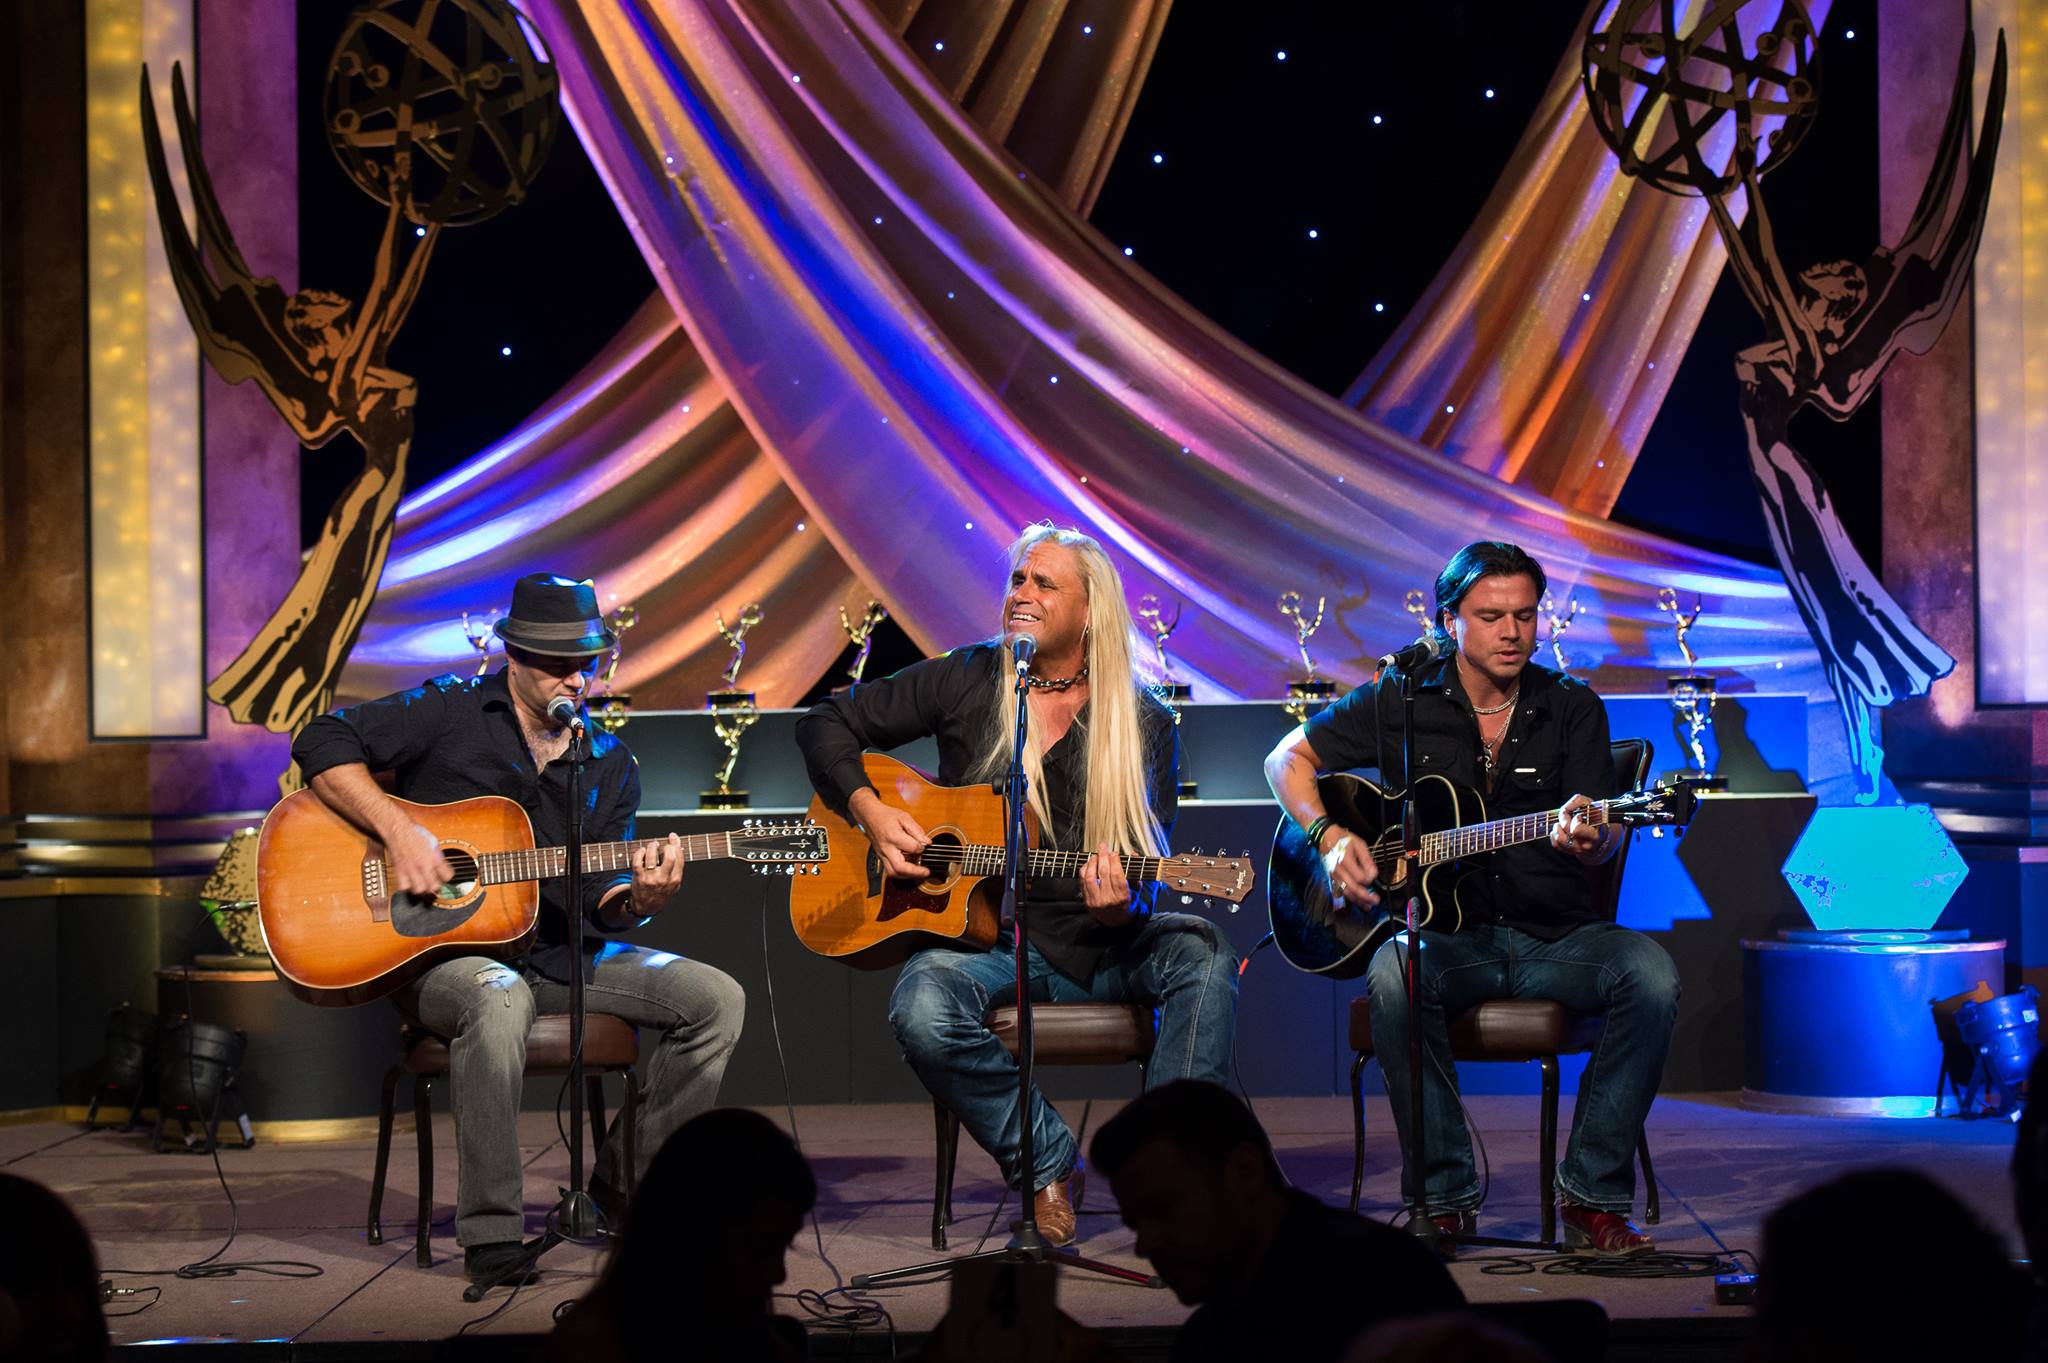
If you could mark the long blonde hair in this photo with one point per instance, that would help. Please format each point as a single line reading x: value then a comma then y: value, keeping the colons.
x: 1114, y: 766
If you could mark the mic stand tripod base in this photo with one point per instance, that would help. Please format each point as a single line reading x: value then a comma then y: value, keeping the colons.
x: 1026, y: 1246
x: 575, y: 1219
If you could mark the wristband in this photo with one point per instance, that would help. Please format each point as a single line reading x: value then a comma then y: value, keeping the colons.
x: 1315, y: 832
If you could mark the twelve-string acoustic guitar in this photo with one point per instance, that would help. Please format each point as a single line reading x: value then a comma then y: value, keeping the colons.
x: 341, y: 933
x: 853, y: 912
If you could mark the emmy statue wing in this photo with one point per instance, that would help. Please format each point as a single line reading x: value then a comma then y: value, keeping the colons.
x: 240, y: 326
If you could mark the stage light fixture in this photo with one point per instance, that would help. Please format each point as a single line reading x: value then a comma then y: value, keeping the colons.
x: 2005, y: 1036
x: 198, y: 1065
x: 123, y: 1070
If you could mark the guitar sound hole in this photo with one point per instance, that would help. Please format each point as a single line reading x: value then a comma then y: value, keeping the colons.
x: 942, y: 857
x: 464, y: 882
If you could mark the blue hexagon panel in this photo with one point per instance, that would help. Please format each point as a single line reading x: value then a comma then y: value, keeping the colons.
x: 1883, y: 867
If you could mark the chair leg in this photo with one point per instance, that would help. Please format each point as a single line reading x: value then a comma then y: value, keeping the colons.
x: 593, y: 1090
x: 1546, y: 1149
x: 629, y: 1132
x: 423, y: 1124
x: 385, y: 1118
x: 1653, y: 1206
x: 946, y: 1127
x: 1358, y: 1127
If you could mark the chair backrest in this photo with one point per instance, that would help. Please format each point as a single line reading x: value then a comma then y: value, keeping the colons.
x: 1631, y: 768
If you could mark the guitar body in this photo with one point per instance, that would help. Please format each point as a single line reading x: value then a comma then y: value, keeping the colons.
x: 335, y: 928
x: 1315, y: 935
x: 854, y: 913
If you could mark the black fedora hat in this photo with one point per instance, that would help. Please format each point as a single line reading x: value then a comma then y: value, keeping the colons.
x: 555, y: 616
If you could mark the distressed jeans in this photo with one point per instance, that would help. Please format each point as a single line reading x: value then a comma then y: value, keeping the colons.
x: 1177, y: 962
x: 484, y: 1009
x: 1597, y: 968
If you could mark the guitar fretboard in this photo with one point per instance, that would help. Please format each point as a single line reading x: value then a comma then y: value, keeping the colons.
x: 1472, y: 839
x: 986, y: 859
x: 545, y: 863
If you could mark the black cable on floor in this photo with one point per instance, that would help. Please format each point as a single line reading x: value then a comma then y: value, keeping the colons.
x: 1656, y: 1264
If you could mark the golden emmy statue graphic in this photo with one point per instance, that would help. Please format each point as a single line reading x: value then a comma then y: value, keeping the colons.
x: 1693, y: 694
x: 1308, y: 688
x: 729, y: 696
x: 1660, y: 99
x: 612, y: 706
x: 1558, y: 625
x: 443, y: 113
x: 862, y: 635
x: 1170, y: 689
x: 480, y: 636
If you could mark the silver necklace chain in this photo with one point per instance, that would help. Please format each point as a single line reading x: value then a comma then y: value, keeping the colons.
x: 1055, y: 683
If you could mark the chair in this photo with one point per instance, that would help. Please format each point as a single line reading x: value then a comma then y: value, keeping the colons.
x: 609, y: 1044
x: 1507, y: 1030
x: 1063, y: 1034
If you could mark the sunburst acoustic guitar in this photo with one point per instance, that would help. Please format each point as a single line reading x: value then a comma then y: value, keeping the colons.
x: 340, y: 933
x: 853, y: 912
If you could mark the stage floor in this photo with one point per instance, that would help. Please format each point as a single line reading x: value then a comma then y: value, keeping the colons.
x: 1722, y: 1170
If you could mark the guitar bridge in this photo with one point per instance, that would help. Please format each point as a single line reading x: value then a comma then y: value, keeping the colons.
x: 376, y: 886
x: 874, y: 872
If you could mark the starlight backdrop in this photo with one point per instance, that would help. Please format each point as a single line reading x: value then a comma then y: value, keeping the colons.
x: 932, y: 347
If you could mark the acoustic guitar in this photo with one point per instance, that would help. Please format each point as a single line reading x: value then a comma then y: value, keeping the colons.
x: 341, y: 933
x: 853, y: 912
x: 1317, y: 935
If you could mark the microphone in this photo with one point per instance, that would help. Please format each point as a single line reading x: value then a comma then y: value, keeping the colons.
x: 1022, y: 647
x: 1427, y: 649
x: 562, y: 711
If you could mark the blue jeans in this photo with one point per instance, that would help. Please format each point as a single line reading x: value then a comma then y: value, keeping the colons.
x: 1177, y: 962
x: 1598, y: 968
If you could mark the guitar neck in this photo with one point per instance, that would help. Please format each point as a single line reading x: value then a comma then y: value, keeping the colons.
x: 986, y: 859
x: 1471, y: 839
x: 546, y: 863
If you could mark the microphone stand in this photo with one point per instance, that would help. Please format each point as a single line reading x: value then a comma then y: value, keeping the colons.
x: 575, y: 1215
x: 1027, y: 1244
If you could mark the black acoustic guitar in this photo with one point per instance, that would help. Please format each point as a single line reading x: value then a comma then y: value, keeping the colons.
x: 1316, y: 934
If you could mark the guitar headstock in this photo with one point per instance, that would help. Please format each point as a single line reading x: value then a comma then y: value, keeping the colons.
x: 1210, y: 877
x: 785, y: 847
x: 1668, y: 802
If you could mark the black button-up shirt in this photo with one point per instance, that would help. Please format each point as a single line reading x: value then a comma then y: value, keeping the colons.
x: 1555, y: 747
x: 954, y: 699
x: 455, y: 738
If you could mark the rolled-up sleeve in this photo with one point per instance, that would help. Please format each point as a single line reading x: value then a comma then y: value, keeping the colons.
x: 885, y: 713
x: 381, y: 734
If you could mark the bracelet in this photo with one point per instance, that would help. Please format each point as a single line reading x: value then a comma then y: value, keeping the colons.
x: 1316, y: 831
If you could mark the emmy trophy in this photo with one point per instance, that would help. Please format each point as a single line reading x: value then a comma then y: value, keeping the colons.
x: 480, y: 640
x: 1307, y: 689
x: 862, y: 634
x: 1174, y: 692
x: 1559, y: 624
x: 1693, y: 694
x: 613, y: 706
x: 732, y: 710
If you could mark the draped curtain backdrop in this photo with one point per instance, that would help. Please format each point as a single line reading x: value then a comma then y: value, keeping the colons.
x: 898, y: 332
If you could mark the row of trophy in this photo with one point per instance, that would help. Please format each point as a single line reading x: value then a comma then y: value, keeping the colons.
x: 1693, y: 693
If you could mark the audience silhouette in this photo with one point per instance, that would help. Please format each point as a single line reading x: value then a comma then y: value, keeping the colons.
x: 49, y: 1280
x: 1275, y: 1273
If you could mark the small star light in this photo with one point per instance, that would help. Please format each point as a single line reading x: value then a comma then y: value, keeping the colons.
x: 1053, y: 378
x: 1127, y: 250
x: 668, y: 160
x: 938, y: 47
x: 419, y: 231
x: 504, y: 350
x: 949, y: 293
x: 1585, y: 298
x: 1379, y: 307
x: 1489, y: 92
x: 1599, y: 463
x: 1850, y: 34
x: 970, y: 525
x: 878, y: 220
x: 1158, y: 159
x: 800, y: 527
x: 1450, y: 407
x: 1653, y: 364
x: 1281, y: 55
x: 1312, y: 234
x: 1376, y: 120
x: 798, y: 79
x: 1087, y: 30
x: 686, y: 409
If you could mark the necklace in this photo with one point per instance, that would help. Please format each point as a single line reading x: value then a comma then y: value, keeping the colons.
x: 1489, y: 753
x: 1056, y: 683
x: 1496, y: 709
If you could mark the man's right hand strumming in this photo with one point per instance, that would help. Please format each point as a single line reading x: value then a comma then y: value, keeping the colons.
x: 417, y: 866
x: 1350, y: 864
x: 894, y: 834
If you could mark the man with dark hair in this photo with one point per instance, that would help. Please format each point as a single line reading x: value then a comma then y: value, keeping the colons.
x: 459, y: 737
x: 1275, y: 1272
x: 1529, y: 740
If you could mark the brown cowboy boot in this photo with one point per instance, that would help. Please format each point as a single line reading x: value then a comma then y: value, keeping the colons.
x: 1055, y: 1207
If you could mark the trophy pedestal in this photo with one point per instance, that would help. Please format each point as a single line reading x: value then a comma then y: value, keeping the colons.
x: 1188, y: 790
x: 722, y: 799
x: 1700, y: 781
x: 1174, y: 693
x: 728, y: 700
x: 1311, y: 688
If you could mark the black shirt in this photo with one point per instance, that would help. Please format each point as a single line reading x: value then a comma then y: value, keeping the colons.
x: 455, y: 738
x: 953, y: 699
x: 1328, y: 1276
x: 1555, y: 747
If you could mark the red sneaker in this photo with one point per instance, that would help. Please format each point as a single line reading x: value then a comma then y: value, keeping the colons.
x: 1450, y: 1223
x: 1608, y: 1234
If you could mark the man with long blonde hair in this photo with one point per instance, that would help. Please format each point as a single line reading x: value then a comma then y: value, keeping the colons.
x: 1103, y: 762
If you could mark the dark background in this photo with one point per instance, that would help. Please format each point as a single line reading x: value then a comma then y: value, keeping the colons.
x: 1257, y: 151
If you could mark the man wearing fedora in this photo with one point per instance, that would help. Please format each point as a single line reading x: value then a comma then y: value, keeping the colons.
x: 455, y: 738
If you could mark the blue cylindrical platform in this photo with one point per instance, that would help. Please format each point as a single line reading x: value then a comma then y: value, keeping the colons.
x: 1839, y: 1023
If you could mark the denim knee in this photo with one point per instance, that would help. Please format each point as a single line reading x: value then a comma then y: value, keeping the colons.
x: 1649, y: 974
x: 930, y: 1016
x: 501, y: 1013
